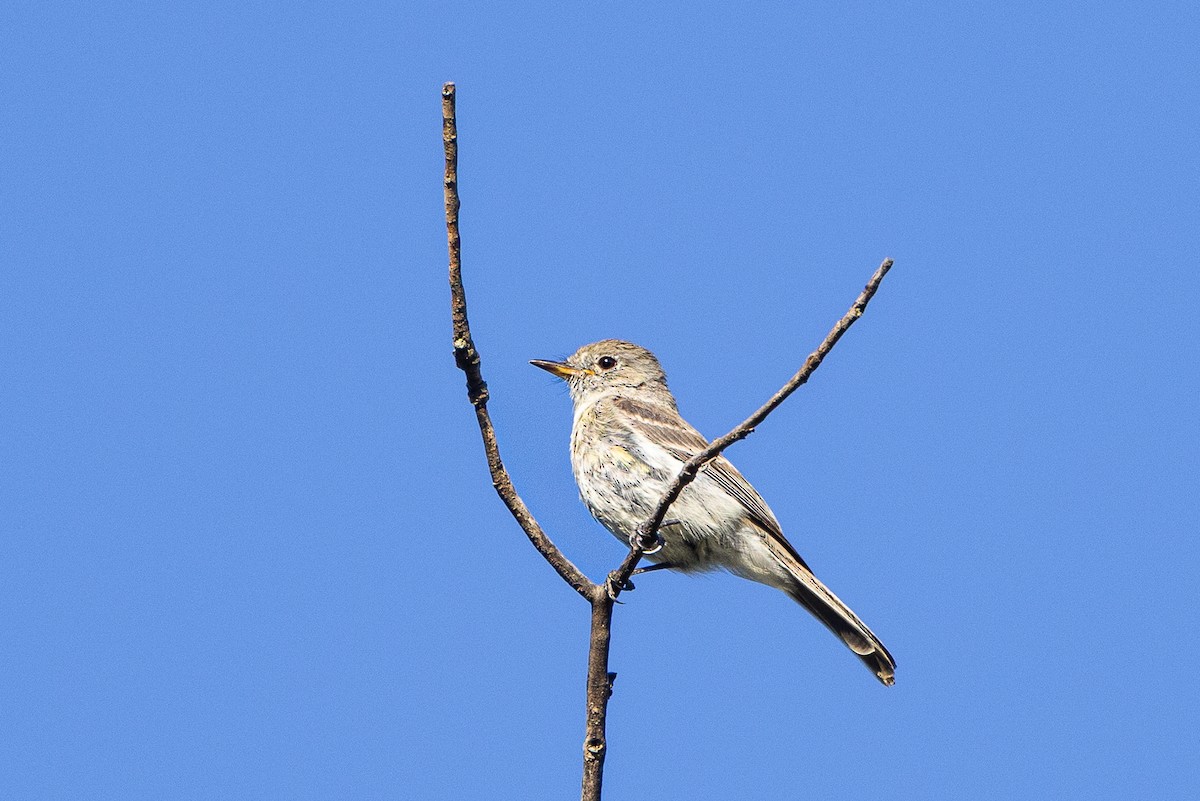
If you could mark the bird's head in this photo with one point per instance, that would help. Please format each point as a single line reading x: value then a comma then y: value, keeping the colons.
x: 608, y: 365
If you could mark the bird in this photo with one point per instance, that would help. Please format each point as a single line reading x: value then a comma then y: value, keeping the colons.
x: 628, y: 442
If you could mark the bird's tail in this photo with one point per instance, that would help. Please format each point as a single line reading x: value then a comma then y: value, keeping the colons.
x: 814, y: 596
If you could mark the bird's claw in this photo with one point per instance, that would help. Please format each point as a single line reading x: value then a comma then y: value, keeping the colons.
x: 636, y: 541
x: 652, y: 568
x: 610, y: 587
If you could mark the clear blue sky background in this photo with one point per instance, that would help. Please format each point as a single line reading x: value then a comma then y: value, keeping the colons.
x: 249, y: 548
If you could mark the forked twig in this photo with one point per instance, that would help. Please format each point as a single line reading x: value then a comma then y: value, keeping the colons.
x: 601, y: 596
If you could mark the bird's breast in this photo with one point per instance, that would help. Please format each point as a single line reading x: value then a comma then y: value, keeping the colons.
x: 616, y: 484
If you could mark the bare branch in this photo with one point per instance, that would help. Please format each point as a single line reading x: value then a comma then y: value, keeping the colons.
x: 599, y: 689
x: 600, y: 596
x: 648, y: 531
x: 467, y: 359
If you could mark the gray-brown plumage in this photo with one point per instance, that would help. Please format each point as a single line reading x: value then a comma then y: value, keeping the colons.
x: 628, y: 442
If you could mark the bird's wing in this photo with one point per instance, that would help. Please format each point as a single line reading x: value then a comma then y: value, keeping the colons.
x: 665, y: 427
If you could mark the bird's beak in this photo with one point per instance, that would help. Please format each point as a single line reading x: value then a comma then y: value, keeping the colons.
x: 560, y: 369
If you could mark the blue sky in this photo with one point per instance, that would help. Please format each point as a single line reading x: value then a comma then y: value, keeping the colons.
x: 250, y: 549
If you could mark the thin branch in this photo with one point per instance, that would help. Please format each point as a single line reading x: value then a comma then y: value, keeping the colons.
x: 599, y: 682
x: 648, y: 531
x: 467, y: 359
x: 599, y: 690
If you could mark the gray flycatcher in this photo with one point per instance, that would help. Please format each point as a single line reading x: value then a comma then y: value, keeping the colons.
x: 628, y: 442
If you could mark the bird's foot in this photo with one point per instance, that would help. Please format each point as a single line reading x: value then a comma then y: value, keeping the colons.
x: 637, y: 540
x: 610, y: 587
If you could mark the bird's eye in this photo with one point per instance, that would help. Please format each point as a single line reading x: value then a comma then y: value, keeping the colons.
x: 606, y: 362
